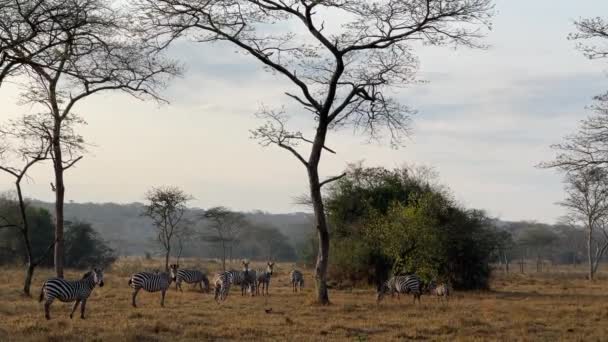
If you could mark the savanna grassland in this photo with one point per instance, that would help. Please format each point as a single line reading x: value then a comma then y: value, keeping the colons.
x: 554, y: 305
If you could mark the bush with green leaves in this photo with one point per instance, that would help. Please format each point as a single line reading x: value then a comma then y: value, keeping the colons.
x: 85, y: 248
x: 398, y: 222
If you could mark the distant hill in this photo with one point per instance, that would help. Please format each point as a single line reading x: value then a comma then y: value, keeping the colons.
x: 131, y: 234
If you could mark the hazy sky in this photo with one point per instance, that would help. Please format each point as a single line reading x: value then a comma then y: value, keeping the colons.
x: 486, y: 118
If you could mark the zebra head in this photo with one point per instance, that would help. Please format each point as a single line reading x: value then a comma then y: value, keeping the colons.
x: 245, y: 263
x: 382, y: 290
x: 269, y: 267
x: 173, y: 268
x: 98, y: 276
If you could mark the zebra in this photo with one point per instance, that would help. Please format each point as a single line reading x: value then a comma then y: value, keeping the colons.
x: 263, y: 278
x: 401, y: 284
x: 297, y: 280
x: 441, y: 291
x: 70, y: 291
x: 151, y: 282
x: 190, y: 277
x: 245, y: 278
x: 221, y: 285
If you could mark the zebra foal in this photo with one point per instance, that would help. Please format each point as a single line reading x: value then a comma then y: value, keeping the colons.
x: 221, y: 285
x: 70, y: 291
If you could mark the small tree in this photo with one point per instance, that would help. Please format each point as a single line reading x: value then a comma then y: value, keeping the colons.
x: 61, y: 52
x: 20, y: 143
x: 223, y: 228
x: 587, y: 205
x: 166, y: 207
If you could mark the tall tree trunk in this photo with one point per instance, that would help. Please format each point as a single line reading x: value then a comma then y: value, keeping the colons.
x: 590, y: 252
x: 29, y: 274
x: 223, y: 256
x: 59, y: 200
x: 167, y: 255
x: 323, y: 234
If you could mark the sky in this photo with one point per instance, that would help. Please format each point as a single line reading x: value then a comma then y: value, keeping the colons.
x: 485, y: 119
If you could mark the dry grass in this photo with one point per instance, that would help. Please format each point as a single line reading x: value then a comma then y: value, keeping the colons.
x: 536, y: 307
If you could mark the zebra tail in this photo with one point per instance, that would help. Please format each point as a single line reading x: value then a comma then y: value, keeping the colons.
x: 130, y: 281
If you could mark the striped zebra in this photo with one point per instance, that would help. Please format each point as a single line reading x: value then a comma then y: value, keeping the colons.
x: 70, y: 291
x: 401, y: 284
x: 221, y: 285
x: 245, y: 278
x: 189, y: 277
x: 151, y: 282
x: 263, y: 277
x: 297, y: 280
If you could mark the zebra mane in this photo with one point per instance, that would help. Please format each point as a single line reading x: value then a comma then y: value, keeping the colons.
x: 86, y: 275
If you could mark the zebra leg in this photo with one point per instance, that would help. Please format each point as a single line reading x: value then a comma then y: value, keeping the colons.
x: 135, y: 291
x: 74, y: 308
x: 201, y: 286
x: 47, y: 309
x: 82, y: 308
x: 162, y: 298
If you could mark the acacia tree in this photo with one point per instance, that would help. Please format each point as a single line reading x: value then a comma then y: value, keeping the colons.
x: 166, y: 207
x: 339, y: 76
x: 587, y: 205
x: 224, y: 226
x: 21, y: 147
x: 61, y: 52
x: 588, y: 147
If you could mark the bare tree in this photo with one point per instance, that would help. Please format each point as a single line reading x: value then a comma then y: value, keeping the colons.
x: 588, y: 147
x: 587, y: 205
x: 339, y: 75
x: 166, y: 207
x: 20, y: 143
x: 224, y: 226
x: 65, y: 51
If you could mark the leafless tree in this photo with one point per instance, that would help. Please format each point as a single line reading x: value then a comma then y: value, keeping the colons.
x: 224, y: 226
x: 22, y: 147
x: 588, y: 147
x: 65, y: 51
x: 340, y: 74
x: 587, y: 205
x: 166, y: 207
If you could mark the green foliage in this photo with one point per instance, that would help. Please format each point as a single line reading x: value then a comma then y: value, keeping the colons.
x: 397, y: 222
x: 85, y: 248
x: 41, y: 228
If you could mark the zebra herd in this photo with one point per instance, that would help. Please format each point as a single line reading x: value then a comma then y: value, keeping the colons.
x: 249, y: 280
x: 79, y: 291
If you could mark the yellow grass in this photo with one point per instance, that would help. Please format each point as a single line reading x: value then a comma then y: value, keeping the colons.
x: 534, y: 307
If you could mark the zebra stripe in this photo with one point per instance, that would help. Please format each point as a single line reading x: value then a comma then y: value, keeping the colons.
x: 263, y: 277
x: 189, y: 277
x: 297, y: 280
x: 221, y: 285
x: 70, y: 291
x: 401, y: 284
x: 150, y: 282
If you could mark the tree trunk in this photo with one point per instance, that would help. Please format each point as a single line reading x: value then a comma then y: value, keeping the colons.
x: 59, y: 200
x: 223, y: 255
x: 29, y: 274
x: 167, y: 255
x: 590, y: 253
x: 323, y: 233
